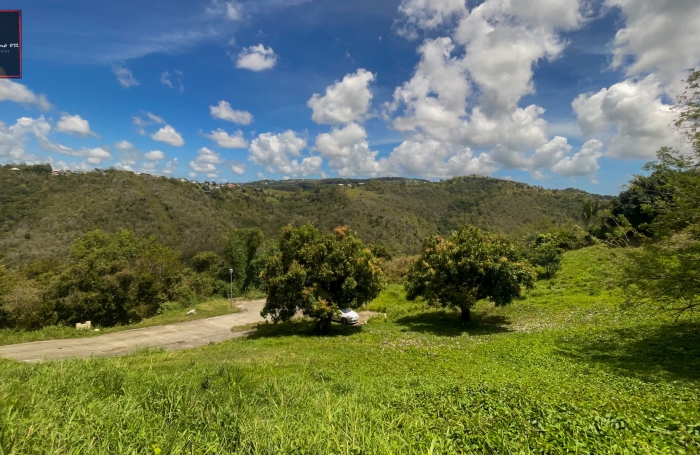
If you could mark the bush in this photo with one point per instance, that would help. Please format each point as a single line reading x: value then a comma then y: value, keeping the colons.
x: 24, y: 307
x: 546, y: 256
x: 396, y: 269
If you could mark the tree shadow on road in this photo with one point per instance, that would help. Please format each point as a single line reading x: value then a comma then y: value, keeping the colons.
x: 444, y: 323
x: 300, y: 327
x: 667, y: 352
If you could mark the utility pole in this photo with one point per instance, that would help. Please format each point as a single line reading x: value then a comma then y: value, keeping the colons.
x: 231, y: 292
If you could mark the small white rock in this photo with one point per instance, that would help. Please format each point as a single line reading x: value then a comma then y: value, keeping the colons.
x: 192, y: 312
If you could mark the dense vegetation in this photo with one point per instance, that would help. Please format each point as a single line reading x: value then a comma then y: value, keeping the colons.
x: 41, y: 215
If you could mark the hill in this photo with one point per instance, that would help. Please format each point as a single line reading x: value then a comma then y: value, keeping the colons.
x: 41, y: 213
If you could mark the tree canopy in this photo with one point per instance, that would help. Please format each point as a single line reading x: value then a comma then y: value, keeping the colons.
x: 318, y: 273
x: 466, y: 267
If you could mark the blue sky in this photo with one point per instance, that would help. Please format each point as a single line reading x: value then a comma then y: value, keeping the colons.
x: 558, y: 93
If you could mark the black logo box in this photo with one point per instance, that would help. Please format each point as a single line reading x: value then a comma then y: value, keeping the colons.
x: 10, y: 44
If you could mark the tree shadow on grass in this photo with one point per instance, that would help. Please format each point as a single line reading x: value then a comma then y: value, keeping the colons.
x: 443, y: 323
x: 670, y: 351
x: 300, y: 327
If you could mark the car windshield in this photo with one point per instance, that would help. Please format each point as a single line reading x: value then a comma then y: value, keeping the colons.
x: 345, y: 310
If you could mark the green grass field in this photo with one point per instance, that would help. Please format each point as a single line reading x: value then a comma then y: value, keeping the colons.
x: 567, y: 369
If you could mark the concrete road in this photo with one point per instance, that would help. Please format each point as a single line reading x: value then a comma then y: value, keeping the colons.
x: 173, y: 336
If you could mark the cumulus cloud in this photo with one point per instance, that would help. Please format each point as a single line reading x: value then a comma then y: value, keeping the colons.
x: 230, y: 141
x: 427, y: 15
x: 154, y: 155
x: 274, y: 151
x: 631, y: 113
x: 168, y: 135
x: 583, y: 163
x: 18, y: 93
x: 659, y: 36
x: 432, y: 158
x: 170, y: 167
x: 124, y: 76
x: 238, y: 169
x: 75, y: 125
x: 173, y: 81
x: 256, y: 58
x: 348, y: 152
x: 13, y: 139
x: 223, y: 111
x: 345, y: 101
x: 230, y: 10
x: 142, y: 123
x: 206, y: 161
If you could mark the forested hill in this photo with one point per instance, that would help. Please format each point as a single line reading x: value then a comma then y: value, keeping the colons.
x: 41, y: 214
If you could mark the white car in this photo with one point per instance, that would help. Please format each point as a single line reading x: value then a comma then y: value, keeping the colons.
x: 346, y: 316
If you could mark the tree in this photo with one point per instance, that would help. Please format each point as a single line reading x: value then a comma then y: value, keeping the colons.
x: 317, y: 273
x: 469, y: 266
x: 548, y: 256
x: 115, y: 279
x: 239, y: 252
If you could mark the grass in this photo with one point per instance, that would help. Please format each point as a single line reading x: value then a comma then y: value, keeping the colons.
x: 172, y: 315
x: 565, y: 370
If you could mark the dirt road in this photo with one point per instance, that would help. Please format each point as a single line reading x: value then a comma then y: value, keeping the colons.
x: 173, y: 336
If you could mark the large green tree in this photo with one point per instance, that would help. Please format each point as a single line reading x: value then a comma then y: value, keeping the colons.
x: 666, y: 271
x: 466, y: 267
x: 318, y: 273
x: 239, y: 252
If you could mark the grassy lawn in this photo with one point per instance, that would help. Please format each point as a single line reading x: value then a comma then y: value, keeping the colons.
x: 567, y: 369
x: 210, y: 308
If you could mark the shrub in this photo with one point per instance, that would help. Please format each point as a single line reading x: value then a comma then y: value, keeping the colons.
x: 396, y: 269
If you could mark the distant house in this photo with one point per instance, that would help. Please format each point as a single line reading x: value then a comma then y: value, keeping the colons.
x: 340, y: 184
x: 79, y: 171
x: 14, y: 169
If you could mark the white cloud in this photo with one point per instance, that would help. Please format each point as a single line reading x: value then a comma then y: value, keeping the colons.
x: 348, y: 152
x: 223, y: 111
x: 206, y: 161
x: 231, y: 10
x: 431, y: 158
x: 168, y: 135
x: 18, y: 93
x: 345, y: 101
x: 631, y: 113
x: 74, y: 124
x: 124, y: 76
x: 170, y: 167
x: 274, y: 150
x: 427, y: 14
x: 231, y: 141
x: 583, y: 163
x: 256, y: 58
x: 154, y: 155
x: 434, y: 100
x: 167, y: 79
x: 238, y: 169
x: 141, y: 124
x: 659, y: 36
x: 13, y: 138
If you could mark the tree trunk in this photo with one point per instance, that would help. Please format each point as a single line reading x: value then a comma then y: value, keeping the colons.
x: 324, y: 326
x: 466, y: 314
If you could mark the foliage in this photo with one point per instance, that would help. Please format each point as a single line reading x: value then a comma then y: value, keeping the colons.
x: 642, y: 200
x: 239, y: 252
x: 115, y: 279
x: 396, y: 269
x: 590, y: 212
x: 317, y: 273
x: 469, y: 266
x: 207, y: 262
x: 381, y: 251
x: 257, y: 265
x: 664, y: 274
x: 546, y: 255
x: 688, y: 111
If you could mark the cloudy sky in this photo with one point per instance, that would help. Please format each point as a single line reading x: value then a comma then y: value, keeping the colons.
x: 558, y: 93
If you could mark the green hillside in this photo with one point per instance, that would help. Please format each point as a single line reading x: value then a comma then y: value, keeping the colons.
x: 41, y: 214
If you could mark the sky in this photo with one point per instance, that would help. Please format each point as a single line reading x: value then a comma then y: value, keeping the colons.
x: 556, y: 93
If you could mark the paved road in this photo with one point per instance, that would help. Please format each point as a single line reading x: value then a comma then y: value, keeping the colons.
x: 172, y: 336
